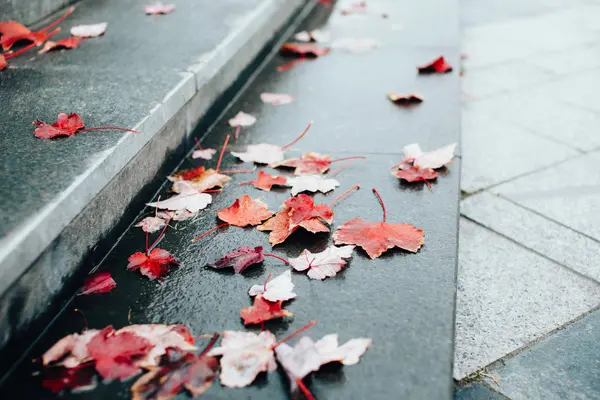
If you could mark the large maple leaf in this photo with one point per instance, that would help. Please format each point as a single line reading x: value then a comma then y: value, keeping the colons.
x: 65, y: 125
x: 154, y: 265
x: 305, y: 213
x: 115, y: 353
x: 12, y: 32
x: 377, y: 237
x: 245, y: 211
x: 263, y: 310
x: 324, y: 264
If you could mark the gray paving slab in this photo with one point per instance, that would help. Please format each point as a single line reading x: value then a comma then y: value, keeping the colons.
x: 145, y: 81
x: 547, y: 116
x: 531, y: 230
x: 495, y: 151
x: 564, y: 366
x: 579, y: 89
x: 568, y: 193
x: 477, y: 392
x: 509, y: 296
x: 570, y: 60
x: 30, y: 11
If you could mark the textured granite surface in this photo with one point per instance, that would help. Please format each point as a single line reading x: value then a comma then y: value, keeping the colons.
x: 389, y: 299
x: 30, y: 11
x: 477, y: 392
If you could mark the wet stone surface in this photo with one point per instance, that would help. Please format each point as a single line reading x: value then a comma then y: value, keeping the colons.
x: 404, y: 302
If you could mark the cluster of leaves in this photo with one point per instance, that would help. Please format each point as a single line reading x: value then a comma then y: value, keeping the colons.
x: 167, y: 352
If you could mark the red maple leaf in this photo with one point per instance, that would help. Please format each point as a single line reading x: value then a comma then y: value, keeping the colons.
x: 100, y: 282
x: 279, y: 226
x: 81, y: 377
x: 413, y: 174
x: 178, y: 370
x: 438, y: 65
x: 240, y: 259
x: 303, y: 50
x: 310, y: 163
x: 154, y: 265
x: 115, y: 353
x: 3, y: 62
x: 188, y: 174
x: 245, y: 211
x: 263, y: 310
x: 377, y: 237
x: 266, y: 181
x: 67, y: 125
x: 305, y: 213
x: 12, y: 32
x: 68, y: 43
x: 405, y: 99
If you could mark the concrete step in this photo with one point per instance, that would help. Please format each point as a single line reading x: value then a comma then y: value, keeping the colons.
x: 65, y: 201
x: 404, y: 302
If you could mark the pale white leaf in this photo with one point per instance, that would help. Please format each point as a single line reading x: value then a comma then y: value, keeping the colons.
x: 263, y: 153
x: 279, y: 288
x: 151, y: 224
x: 205, y: 154
x: 324, y: 264
x: 311, y: 183
x: 72, y: 349
x: 244, y: 356
x: 89, y: 31
x: 242, y: 119
x: 300, y: 360
x: 159, y: 8
x: 179, y: 215
x: 316, y: 35
x: 303, y: 36
x: 411, y: 151
x: 189, y: 199
x: 276, y: 99
x: 348, y: 354
x: 435, y: 159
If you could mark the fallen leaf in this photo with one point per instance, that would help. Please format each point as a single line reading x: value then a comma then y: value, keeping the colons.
x: 241, y: 119
x: 405, y: 99
x: 356, y: 46
x: 308, y: 164
x: 71, y: 350
x: 312, y: 183
x: 159, y: 8
x: 324, y: 264
x: 154, y: 265
x: 302, y: 208
x: 413, y: 174
x: 3, y: 62
x: 12, y: 32
x: 438, y: 65
x: 65, y: 125
x: 262, y: 311
x: 356, y: 8
x: 179, y: 215
x: 303, y: 50
x: 316, y: 35
x: 244, y: 356
x: 377, y: 237
x: 267, y: 153
x: 68, y: 43
x: 245, y: 211
x: 280, y: 288
x: 100, y: 282
x: 240, y: 259
x: 266, y: 181
x: 279, y: 226
x: 80, y: 378
x: 189, y: 199
x: 89, y: 31
x: 178, y: 370
x: 348, y: 354
x: 431, y: 159
x: 205, y: 154
x: 115, y: 353
x: 151, y: 224
x: 276, y: 99
x: 198, y: 180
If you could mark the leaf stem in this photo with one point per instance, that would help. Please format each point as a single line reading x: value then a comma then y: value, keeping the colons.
x: 59, y: 19
x: 236, y: 134
x: 159, y: 236
x: 346, y: 193
x: 349, y: 158
x: 237, y: 171
x: 304, y: 389
x: 222, y: 152
x: 292, y: 335
x: 210, y: 231
x: 198, y: 144
x: 277, y: 257
x: 299, y: 137
x: 382, y: 204
x: 117, y: 128
x: 209, y: 345
x: 29, y: 46
x: 266, y: 281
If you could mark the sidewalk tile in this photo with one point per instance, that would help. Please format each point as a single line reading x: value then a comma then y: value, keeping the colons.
x: 508, y: 296
x: 547, y: 116
x: 477, y: 392
x: 569, y: 60
x: 568, y: 193
x: 546, y: 237
x: 495, y: 151
x: 579, y: 89
x: 563, y: 366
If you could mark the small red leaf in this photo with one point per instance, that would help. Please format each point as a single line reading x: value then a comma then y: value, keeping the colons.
x: 81, y: 377
x: 240, y: 259
x: 100, y: 282
x: 68, y: 43
x: 266, y: 181
x: 245, y: 211
x: 304, y: 50
x: 114, y: 353
x: 413, y: 174
x: 309, y: 164
x: 65, y: 125
x: 438, y: 65
x: 155, y: 265
x: 405, y: 99
x: 159, y: 8
x: 263, y: 310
